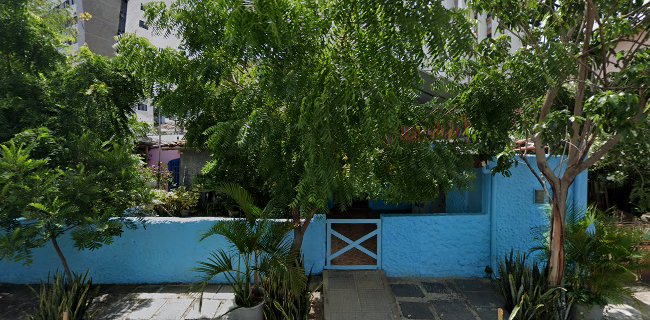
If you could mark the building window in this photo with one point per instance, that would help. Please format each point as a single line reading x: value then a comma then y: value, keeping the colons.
x: 143, y: 25
x: 121, y: 25
x: 142, y: 107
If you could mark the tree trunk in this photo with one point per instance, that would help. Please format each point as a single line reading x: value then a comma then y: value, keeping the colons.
x: 558, y: 224
x: 298, y: 236
x: 64, y: 262
x: 299, y: 230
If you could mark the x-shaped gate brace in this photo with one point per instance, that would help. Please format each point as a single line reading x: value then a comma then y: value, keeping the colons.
x: 353, y: 244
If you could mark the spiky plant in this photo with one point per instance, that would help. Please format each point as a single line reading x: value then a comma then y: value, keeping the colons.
x: 59, y: 298
x: 527, y: 295
x: 287, y: 299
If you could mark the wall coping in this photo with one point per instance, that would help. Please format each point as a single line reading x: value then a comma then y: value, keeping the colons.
x: 157, y: 220
x: 412, y: 215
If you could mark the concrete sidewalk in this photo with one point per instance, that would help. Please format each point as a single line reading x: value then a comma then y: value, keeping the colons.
x: 356, y: 295
x: 442, y: 299
x: 478, y: 299
x: 131, y: 302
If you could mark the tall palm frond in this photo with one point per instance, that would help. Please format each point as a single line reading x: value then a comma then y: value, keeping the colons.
x: 218, y: 263
x: 237, y: 232
x: 244, y: 200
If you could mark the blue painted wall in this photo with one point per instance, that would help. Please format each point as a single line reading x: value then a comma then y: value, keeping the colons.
x: 164, y: 252
x: 463, y: 244
x: 424, y: 245
x: 435, y: 245
x: 518, y: 221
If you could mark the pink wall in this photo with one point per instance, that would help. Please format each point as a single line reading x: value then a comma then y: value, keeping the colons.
x: 165, y: 156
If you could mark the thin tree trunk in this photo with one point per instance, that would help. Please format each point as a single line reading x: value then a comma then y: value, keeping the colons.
x: 299, y: 230
x: 558, y: 224
x: 68, y: 274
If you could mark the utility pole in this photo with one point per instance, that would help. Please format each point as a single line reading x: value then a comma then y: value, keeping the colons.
x: 159, y: 146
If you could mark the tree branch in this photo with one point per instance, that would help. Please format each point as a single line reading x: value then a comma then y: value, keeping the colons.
x: 601, y: 152
x: 549, y: 98
x: 542, y: 164
x: 590, y: 12
x: 537, y: 176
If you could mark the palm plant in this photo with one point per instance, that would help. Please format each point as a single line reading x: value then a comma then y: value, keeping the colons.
x: 258, y: 246
x: 602, y: 257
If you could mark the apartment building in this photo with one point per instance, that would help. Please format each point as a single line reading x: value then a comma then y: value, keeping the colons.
x: 109, y: 19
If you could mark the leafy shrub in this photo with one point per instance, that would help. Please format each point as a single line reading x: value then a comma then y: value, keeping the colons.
x: 176, y: 202
x: 602, y: 257
x: 287, y: 299
x: 159, y: 176
x: 625, y: 167
x: 57, y: 298
x: 526, y: 292
x: 83, y: 189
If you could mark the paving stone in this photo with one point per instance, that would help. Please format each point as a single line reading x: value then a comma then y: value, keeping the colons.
x: 362, y: 300
x: 116, y: 310
x: 344, y: 316
x: 223, y: 289
x: 175, y: 289
x: 474, y: 284
x: 105, y: 304
x: 487, y: 313
x: 120, y: 290
x: 437, y: 287
x: 217, y: 296
x: 17, y: 310
x: 369, y: 281
x: 341, y: 283
x: 375, y: 316
x: 6, y: 305
x: 373, y: 299
x: 341, y: 274
x: 208, y: 309
x: 18, y: 292
x: 416, y: 310
x: 452, y: 310
x: 155, y: 295
x: 343, y: 300
x: 484, y: 299
x: 224, y: 307
x: 622, y: 312
x: 406, y: 290
x: 173, y: 309
x: 147, y: 288
x: 144, y: 309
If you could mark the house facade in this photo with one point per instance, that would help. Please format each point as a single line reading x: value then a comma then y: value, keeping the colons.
x: 469, y: 231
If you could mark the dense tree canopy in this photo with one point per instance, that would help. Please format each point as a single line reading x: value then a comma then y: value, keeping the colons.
x: 66, y: 162
x: 576, y: 88
x: 307, y: 97
x: 624, y: 170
